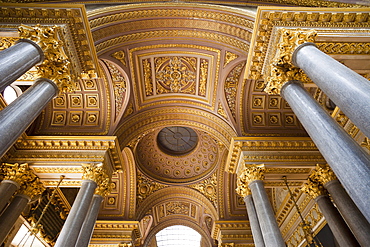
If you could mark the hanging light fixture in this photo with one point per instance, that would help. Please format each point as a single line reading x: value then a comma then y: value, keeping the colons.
x: 307, y: 229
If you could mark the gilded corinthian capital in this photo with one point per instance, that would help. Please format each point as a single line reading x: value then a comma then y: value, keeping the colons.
x: 313, y: 188
x: 56, y: 65
x: 281, y: 68
x: 323, y: 174
x: 242, y: 188
x: 250, y: 173
x: 99, y: 175
x: 32, y: 188
x: 18, y: 173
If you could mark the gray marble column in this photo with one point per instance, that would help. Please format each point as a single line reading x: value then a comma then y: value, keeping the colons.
x: 266, y: 217
x: 89, y: 223
x: 337, y: 225
x: 355, y: 220
x: 76, y: 217
x: 347, y: 89
x: 11, y: 214
x: 7, y: 189
x: 18, y: 59
x: 17, y: 116
x: 348, y: 160
x: 253, y: 220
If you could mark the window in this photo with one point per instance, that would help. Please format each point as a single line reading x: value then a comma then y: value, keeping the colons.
x: 178, y: 236
x: 25, y: 239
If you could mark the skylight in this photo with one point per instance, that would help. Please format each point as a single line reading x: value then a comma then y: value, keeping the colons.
x: 178, y: 236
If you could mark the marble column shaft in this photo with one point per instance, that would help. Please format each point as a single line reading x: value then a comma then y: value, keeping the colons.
x: 348, y: 159
x: 355, y: 220
x: 7, y: 189
x: 336, y: 223
x: 89, y: 223
x: 253, y: 220
x: 11, y: 214
x: 17, y: 116
x: 266, y: 217
x: 347, y: 89
x: 76, y: 217
x: 17, y: 60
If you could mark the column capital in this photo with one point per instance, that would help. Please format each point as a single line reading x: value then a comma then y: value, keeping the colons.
x: 32, y: 188
x: 323, y: 174
x: 56, y: 65
x: 281, y: 69
x: 98, y: 174
x: 251, y: 173
x: 313, y: 188
x: 242, y: 188
x: 18, y: 173
x: 105, y: 185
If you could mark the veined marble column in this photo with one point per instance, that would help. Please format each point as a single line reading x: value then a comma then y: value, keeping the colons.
x: 348, y: 160
x: 347, y: 89
x: 18, y: 204
x: 76, y: 218
x: 355, y: 220
x: 252, y: 175
x: 103, y: 189
x: 15, y: 175
x: 17, y: 60
x: 17, y: 116
x: 337, y: 225
x: 243, y: 190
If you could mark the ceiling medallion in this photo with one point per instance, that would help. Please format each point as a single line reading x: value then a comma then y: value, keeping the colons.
x: 177, y: 140
x: 177, y: 155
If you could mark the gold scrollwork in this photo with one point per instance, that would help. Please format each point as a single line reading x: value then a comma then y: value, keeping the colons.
x: 56, y: 65
x: 281, y: 69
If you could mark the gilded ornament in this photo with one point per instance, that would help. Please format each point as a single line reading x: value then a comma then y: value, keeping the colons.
x: 229, y: 56
x: 56, y: 65
x: 221, y: 110
x: 281, y: 69
x: 203, y: 74
x: 208, y: 188
x: 6, y: 42
x: 96, y: 173
x: 19, y: 173
x: 232, y: 85
x: 242, y: 188
x: 120, y: 55
x: 147, y: 70
x: 175, y: 74
x: 313, y: 188
x: 32, y: 188
x: 250, y: 173
x: 323, y: 174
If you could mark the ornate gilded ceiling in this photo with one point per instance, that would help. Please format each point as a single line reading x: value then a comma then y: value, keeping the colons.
x: 142, y: 67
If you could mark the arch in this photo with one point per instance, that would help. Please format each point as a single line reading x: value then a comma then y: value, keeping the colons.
x: 178, y: 221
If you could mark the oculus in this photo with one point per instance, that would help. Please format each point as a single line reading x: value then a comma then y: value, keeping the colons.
x: 177, y: 140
